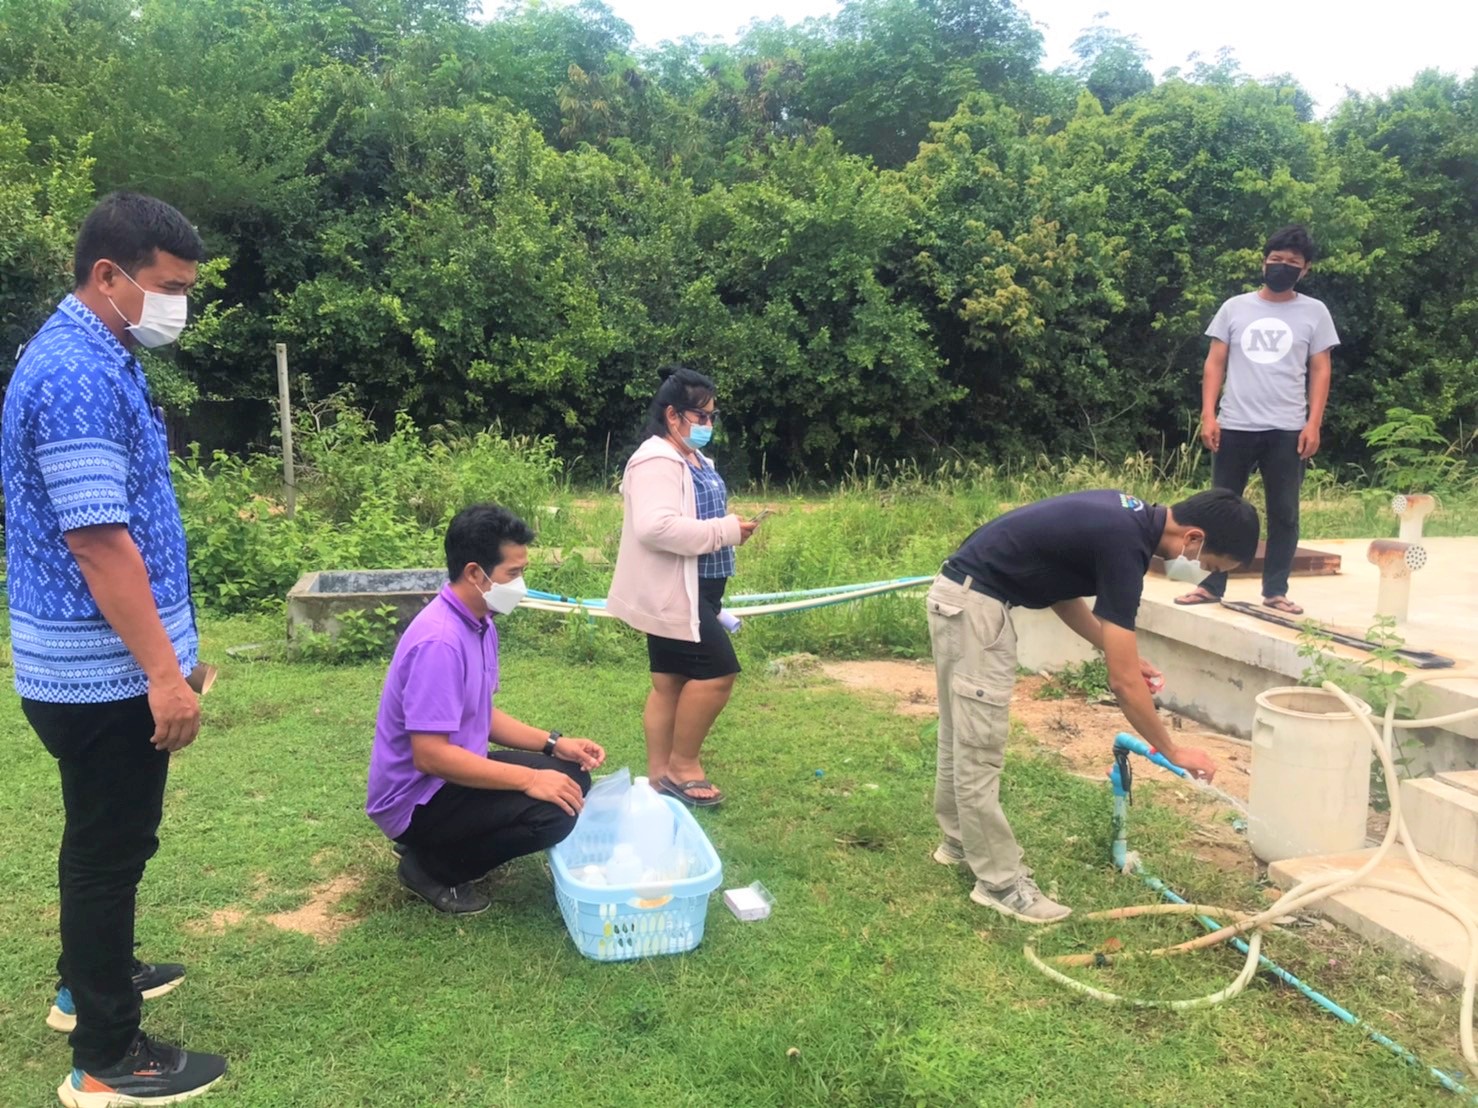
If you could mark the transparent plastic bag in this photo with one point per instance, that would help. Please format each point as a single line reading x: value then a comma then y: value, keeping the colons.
x: 647, y: 825
x: 605, y: 802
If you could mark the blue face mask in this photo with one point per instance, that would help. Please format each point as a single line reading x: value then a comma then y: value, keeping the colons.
x: 699, y: 435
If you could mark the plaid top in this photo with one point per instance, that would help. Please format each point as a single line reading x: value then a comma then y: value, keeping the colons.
x: 713, y: 503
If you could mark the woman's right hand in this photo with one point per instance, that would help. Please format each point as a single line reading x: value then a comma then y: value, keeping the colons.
x: 746, y: 529
x: 556, y: 788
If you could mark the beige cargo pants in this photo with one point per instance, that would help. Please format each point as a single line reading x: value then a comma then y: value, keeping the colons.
x: 975, y: 666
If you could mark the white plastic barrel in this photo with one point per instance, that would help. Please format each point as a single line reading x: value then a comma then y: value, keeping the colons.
x: 1310, y: 775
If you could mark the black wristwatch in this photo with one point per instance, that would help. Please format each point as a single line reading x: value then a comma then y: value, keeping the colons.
x: 550, y: 743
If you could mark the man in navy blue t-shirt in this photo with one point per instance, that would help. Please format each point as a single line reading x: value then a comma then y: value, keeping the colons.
x: 1052, y: 554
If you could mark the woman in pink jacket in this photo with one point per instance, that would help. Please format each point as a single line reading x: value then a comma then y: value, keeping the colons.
x: 677, y: 555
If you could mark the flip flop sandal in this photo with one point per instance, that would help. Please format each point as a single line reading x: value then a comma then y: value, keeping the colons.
x: 1190, y: 600
x: 1284, y: 605
x: 680, y: 791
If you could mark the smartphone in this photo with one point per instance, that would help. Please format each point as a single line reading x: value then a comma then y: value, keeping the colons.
x: 763, y: 512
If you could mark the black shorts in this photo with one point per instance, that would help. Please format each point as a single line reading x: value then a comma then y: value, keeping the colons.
x: 712, y: 655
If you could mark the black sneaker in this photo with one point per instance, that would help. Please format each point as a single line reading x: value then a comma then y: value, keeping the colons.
x: 151, y: 981
x: 454, y: 900
x: 150, y: 1073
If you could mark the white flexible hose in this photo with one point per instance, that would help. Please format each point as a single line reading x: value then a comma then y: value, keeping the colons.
x: 1240, y: 982
x: 1310, y: 892
x: 772, y: 608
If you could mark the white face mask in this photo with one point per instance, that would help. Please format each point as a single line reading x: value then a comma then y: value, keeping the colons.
x: 502, y: 597
x: 1188, y: 571
x: 163, y: 317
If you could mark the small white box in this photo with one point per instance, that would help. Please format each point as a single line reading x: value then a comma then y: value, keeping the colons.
x: 752, y: 902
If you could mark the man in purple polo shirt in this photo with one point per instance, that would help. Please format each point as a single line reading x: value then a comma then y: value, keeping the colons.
x: 454, y: 810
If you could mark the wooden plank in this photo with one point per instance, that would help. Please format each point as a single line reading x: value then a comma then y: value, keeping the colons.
x: 1306, y: 563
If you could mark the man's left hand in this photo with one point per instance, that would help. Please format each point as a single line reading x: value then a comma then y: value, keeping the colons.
x: 583, y: 752
x: 1152, y: 677
x: 1308, y: 441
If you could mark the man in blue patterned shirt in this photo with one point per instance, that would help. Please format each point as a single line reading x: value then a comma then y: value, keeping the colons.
x: 102, y: 627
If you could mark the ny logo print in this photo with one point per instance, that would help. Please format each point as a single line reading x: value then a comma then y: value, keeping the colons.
x: 1264, y: 341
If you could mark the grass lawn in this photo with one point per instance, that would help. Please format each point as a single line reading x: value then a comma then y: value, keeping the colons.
x: 876, y: 982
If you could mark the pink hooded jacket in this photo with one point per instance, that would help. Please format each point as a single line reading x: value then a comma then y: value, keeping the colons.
x: 655, y: 588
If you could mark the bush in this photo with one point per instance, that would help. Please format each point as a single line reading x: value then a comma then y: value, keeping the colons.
x: 363, y: 503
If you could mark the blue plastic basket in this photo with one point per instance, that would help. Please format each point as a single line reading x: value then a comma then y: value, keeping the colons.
x: 614, y: 923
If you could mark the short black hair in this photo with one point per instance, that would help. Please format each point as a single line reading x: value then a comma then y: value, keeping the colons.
x: 681, y: 388
x: 131, y: 229
x: 1230, y: 522
x: 1294, y: 237
x: 477, y: 534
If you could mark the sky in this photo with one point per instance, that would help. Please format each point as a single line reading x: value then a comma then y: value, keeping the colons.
x: 1326, y: 44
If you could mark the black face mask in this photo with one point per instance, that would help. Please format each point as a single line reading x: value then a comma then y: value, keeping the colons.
x: 1280, y: 276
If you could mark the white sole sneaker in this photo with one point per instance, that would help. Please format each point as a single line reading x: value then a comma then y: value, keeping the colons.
x: 163, y: 990
x: 57, y: 1020
x: 79, y: 1098
x: 945, y: 858
x: 990, y: 902
x: 66, y: 1022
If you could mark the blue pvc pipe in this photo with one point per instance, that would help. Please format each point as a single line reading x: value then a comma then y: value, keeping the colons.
x: 1135, y: 745
x: 1120, y: 851
x: 539, y: 594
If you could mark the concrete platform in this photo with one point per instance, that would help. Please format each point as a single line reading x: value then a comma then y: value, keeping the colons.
x: 1216, y: 661
x: 1411, y: 929
x: 1443, y: 820
x: 320, y: 599
x: 1465, y: 781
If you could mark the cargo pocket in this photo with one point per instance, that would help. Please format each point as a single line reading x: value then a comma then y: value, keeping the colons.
x: 981, y: 714
x: 946, y: 627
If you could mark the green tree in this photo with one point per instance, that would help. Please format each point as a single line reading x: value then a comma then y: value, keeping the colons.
x: 1413, y: 156
x: 39, y: 214
x: 824, y: 355
x: 1111, y: 65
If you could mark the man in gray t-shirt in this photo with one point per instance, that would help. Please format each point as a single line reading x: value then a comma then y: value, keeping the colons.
x: 1270, y: 348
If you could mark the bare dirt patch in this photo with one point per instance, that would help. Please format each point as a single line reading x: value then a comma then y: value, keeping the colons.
x: 321, y: 918
x: 1081, y: 732
x: 909, y: 685
x: 219, y: 922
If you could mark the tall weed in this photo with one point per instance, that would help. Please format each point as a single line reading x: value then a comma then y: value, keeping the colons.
x: 383, y: 502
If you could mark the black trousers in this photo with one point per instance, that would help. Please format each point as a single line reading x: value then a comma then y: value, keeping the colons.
x: 461, y: 833
x: 1275, y: 455
x: 113, y: 796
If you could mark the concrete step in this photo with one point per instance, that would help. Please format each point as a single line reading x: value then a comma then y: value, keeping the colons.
x: 1464, y: 779
x: 1411, y: 929
x: 1442, y: 819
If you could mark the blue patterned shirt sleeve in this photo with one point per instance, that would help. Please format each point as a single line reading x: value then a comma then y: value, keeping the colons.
x: 80, y: 447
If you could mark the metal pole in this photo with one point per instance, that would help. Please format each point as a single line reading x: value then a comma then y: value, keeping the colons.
x: 284, y: 407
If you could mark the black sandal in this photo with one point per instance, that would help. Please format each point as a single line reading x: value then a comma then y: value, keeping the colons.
x: 680, y: 791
